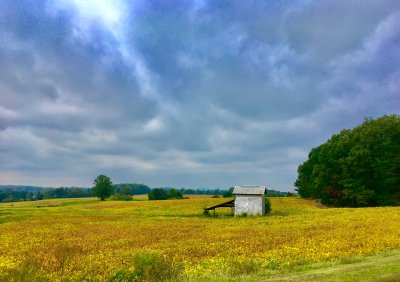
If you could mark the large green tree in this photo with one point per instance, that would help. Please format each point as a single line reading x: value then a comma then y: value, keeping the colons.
x: 357, y: 167
x: 103, y: 187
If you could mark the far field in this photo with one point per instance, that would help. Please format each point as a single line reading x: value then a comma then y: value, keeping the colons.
x: 85, y: 239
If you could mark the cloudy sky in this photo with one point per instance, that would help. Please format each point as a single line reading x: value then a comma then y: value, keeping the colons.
x: 187, y: 93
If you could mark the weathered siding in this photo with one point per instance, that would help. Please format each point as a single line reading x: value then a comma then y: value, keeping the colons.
x: 250, y: 204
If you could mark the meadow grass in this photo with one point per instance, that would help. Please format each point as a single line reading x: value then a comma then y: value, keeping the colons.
x: 85, y: 239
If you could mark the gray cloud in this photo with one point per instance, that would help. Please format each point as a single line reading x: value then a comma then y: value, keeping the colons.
x: 199, y: 94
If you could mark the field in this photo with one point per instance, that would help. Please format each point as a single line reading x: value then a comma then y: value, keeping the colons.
x: 85, y: 239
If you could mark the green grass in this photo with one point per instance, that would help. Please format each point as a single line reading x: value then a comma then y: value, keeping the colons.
x: 383, y: 268
x: 78, y: 203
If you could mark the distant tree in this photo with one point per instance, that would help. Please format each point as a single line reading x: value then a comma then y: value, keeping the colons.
x: 228, y: 194
x: 174, y: 194
x: 290, y: 194
x: 103, y: 187
x: 131, y: 189
x: 125, y: 190
x: 164, y: 194
x: 39, y: 196
x: 140, y: 189
x: 158, y: 194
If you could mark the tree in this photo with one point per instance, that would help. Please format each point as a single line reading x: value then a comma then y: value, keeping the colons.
x: 357, y: 167
x: 174, y: 194
x: 163, y: 194
x: 103, y: 187
x: 228, y: 194
x: 158, y: 194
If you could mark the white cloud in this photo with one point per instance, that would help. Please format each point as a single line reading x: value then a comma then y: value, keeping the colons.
x: 7, y: 114
x: 111, y: 17
x: 188, y: 94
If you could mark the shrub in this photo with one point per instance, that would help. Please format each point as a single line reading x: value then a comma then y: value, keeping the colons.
x: 148, y: 266
x: 174, y: 194
x: 243, y: 266
x: 120, y: 197
x: 162, y: 194
x: 267, y: 206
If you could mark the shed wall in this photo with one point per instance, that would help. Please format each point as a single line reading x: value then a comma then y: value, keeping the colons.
x: 250, y: 204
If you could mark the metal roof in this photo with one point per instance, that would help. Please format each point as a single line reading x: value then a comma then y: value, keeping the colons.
x: 249, y: 190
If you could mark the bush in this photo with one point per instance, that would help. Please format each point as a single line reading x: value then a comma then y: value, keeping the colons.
x: 174, y: 194
x: 148, y: 266
x: 158, y: 194
x: 267, y: 206
x: 119, y: 197
x: 162, y: 194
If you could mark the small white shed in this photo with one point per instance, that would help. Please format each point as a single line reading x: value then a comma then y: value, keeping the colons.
x: 249, y: 199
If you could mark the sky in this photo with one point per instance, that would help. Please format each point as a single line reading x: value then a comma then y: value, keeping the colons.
x: 187, y: 93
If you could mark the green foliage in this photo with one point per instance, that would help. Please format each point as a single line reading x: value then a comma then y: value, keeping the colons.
x: 121, y: 197
x: 174, y: 194
x: 267, y: 206
x: 103, y: 187
x: 158, y: 194
x: 131, y: 189
x: 162, y: 194
x: 358, y: 167
x: 148, y: 266
x: 11, y: 193
x: 228, y: 193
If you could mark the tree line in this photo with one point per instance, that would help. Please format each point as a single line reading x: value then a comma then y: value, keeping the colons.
x: 103, y: 188
x: 357, y: 167
x: 16, y: 195
x: 10, y: 193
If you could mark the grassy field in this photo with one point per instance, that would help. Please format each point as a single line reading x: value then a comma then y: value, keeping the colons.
x: 85, y: 239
